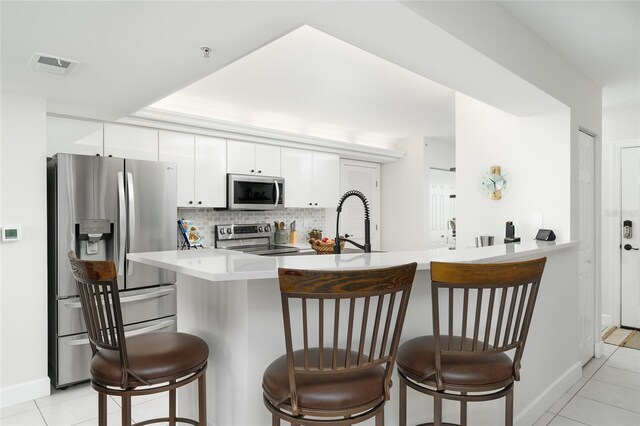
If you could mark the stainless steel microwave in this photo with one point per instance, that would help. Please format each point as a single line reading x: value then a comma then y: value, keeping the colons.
x: 248, y: 192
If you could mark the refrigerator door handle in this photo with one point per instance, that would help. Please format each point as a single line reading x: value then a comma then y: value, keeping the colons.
x: 275, y: 182
x: 132, y: 213
x: 155, y: 327
x: 122, y: 225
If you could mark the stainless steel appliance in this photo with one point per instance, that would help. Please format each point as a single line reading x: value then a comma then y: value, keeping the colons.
x: 104, y: 208
x: 247, y: 192
x: 250, y: 238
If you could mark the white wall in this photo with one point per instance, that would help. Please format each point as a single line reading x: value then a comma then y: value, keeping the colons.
x: 23, y: 264
x: 535, y: 153
x: 620, y: 127
x: 403, y: 200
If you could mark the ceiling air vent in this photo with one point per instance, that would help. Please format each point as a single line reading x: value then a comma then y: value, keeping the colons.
x: 52, y: 64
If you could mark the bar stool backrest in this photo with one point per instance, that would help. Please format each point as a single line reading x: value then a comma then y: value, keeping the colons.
x: 499, y: 325
x: 355, y: 317
x: 97, y: 285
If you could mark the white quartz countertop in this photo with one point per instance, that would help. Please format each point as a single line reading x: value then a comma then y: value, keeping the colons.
x: 226, y: 265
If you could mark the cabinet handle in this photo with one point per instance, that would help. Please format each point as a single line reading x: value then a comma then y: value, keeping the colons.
x: 259, y: 171
x: 315, y: 204
x: 199, y: 202
x: 252, y: 171
x: 190, y: 202
x: 310, y: 204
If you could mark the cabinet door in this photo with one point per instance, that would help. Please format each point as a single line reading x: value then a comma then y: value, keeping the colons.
x: 326, y: 179
x: 136, y: 143
x: 241, y: 157
x: 69, y: 136
x: 296, y: 171
x: 267, y: 160
x: 211, y: 172
x: 364, y: 177
x: 178, y: 148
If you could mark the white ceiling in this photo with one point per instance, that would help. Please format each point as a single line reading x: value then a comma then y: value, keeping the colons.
x: 308, y: 82
x: 602, y: 38
x: 133, y: 54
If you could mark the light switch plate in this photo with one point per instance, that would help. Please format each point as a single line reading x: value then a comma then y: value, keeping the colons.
x: 11, y: 233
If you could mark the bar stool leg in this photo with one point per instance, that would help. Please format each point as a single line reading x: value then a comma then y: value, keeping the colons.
x: 463, y: 411
x: 102, y: 409
x: 202, y: 400
x: 508, y: 420
x: 172, y: 405
x: 403, y: 403
x: 126, y: 410
x: 275, y: 421
x: 437, y: 411
x: 380, y: 418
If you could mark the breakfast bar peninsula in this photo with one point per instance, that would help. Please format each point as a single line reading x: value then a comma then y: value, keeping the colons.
x: 232, y: 300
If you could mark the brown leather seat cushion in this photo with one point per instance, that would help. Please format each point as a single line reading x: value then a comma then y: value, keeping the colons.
x: 416, y: 359
x: 152, y: 357
x: 323, y: 391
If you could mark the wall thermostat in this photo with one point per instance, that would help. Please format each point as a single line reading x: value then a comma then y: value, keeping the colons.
x: 11, y: 233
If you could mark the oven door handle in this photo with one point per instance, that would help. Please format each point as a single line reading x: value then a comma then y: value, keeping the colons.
x: 275, y: 182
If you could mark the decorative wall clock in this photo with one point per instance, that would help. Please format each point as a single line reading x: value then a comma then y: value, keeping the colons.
x: 494, y: 183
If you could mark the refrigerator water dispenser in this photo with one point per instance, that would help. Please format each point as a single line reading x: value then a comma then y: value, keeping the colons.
x: 93, y: 236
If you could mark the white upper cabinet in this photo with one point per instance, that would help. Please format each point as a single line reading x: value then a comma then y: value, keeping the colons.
x: 137, y: 143
x: 201, y: 162
x: 249, y: 158
x: 210, y: 172
x: 179, y: 148
x: 326, y: 179
x: 312, y: 179
x: 70, y: 136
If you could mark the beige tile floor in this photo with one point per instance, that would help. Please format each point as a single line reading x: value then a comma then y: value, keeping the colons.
x: 607, y: 394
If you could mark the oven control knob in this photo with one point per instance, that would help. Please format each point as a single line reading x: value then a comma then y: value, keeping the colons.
x: 222, y: 230
x: 229, y: 231
x: 267, y: 228
x: 260, y: 229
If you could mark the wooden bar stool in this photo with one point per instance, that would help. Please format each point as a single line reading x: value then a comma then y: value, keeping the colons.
x: 138, y: 365
x: 335, y: 371
x: 493, y: 305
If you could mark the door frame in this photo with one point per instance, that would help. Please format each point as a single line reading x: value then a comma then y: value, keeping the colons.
x: 612, y: 271
x: 598, y: 344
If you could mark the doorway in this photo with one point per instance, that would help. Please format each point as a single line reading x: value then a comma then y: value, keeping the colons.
x: 630, y: 237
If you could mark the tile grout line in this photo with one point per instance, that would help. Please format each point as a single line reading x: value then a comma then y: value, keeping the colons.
x: 40, y: 411
x: 610, y: 405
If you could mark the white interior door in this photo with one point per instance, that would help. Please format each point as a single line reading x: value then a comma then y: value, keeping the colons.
x: 442, y: 187
x: 363, y: 177
x: 587, y: 249
x: 630, y: 241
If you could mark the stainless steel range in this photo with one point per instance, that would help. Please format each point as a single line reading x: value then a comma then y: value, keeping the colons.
x: 256, y: 238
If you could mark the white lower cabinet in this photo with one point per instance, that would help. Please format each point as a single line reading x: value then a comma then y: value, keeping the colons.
x: 136, y: 143
x: 312, y: 179
x: 201, y: 162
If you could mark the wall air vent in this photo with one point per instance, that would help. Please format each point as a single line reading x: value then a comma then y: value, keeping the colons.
x: 52, y: 64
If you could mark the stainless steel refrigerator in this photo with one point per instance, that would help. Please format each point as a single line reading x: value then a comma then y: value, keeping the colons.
x: 104, y: 208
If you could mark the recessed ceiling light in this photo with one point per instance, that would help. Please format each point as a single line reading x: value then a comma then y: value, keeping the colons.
x: 52, y: 64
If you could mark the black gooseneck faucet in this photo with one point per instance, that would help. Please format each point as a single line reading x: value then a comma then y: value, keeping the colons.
x: 367, y: 223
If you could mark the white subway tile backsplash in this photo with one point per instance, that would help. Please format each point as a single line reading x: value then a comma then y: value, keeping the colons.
x: 206, y: 219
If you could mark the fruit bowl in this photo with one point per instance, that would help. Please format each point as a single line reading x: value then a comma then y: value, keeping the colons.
x: 324, y: 246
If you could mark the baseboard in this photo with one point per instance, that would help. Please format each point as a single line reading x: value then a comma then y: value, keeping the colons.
x: 536, y: 408
x: 23, y: 392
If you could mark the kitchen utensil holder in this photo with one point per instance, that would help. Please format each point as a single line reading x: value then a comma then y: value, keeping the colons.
x: 281, y: 236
